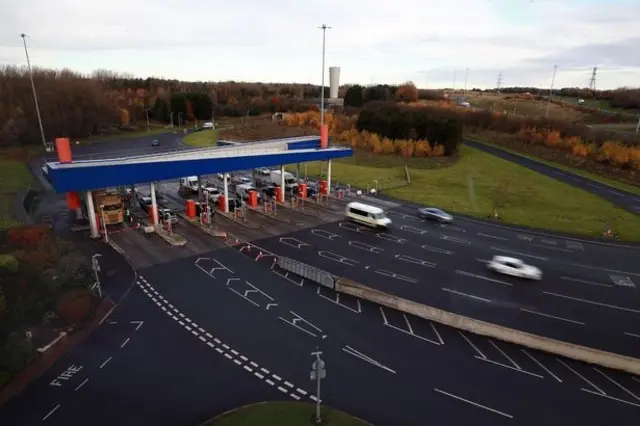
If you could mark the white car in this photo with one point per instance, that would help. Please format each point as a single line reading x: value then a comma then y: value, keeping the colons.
x: 514, y: 267
x: 213, y: 193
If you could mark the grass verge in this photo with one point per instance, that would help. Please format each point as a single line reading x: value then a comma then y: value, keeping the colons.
x: 478, y: 182
x: 204, y: 138
x: 14, y: 175
x: 283, y: 414
x: 580, y: 172
x: 127, y: 134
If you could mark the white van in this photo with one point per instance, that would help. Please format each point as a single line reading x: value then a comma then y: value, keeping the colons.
x: 367, y: 215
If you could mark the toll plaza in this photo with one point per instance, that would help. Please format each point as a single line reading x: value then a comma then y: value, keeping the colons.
x: 94, y: 188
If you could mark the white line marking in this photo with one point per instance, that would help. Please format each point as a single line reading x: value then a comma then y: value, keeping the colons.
x: 475, y: 404
x: 492, y: 236
x: 124, y: 343
x: 294, y: 396
x: 610, y: 397
x: 270, y: 382
x: 244, y: 358
x: 246, y: 367
x: 275, y: 376
x: 564, y: 250
x: 255, y: 373
x: 437, y: 250
x: 237, y: 362
x: 578, y: 280
x: 581, y: 376
x: 208, y: 335
x: 408, y: 323
x: 620, y: 308
x: 482, y: 277
x: 433, y: 327
x: 233, y: 351
x: 617, y: 384
x: 475, y: 348
x: 288, y: 384
x: 632, y: 334
x: 163, y: 308
x: 106, y: 361
x: 218, y: 341
x: 384, y: 318
x: 187, y: 327
x: 519, y: 253
x: 228, y: 356
x: 187, y: 319
x: 360, y: 355
x: 466, y: 295
x: 504, y: 354
x: 264, y: 370
x: 211, y: 345
x: 283, y: 390
x: 220, y: 351
x: 301, y: 391
x: 181, y: 323
x: 253, y: 364
x: 313, y: 398
x: 541, y: 365
x: 201, y: 329
x: 81, y: 384
x: 606, y: 269
x: 195, y: 333
x: 202, y: 338
x: 244, y: 297
x: 53, y: 410
x: 551, y: 316
x: 337, y: 301
x: 509, y: 367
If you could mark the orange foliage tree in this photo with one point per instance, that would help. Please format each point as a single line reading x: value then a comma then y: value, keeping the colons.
x: 407, y: 92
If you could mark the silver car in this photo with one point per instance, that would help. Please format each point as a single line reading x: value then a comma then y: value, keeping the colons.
x: 433, y: 213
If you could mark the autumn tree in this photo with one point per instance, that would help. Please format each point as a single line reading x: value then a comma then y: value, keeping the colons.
x: 354, y: 97
x: 407, y: 92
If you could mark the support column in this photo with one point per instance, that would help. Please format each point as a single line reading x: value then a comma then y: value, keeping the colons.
x: 154, y: 206
x: 328, y: 177
x: 226, y: 192
x: 298, y: 172
x: 282, y: 184
x: 200, y: 189
x: 91, y: 212
x: 79, y: 213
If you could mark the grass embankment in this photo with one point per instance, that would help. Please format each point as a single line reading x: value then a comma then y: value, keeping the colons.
x: 201, y: 139
x: 126, y: 134
x: 283, y: 414
x: 580, y: 172
x: 14, y: 175
x: 522, y: 196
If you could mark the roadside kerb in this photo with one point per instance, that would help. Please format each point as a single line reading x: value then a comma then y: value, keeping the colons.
x: 299, y: 209
x: 309, y: 272
x: 545, y: 344
x: 214, y: 232
x: 270, y: 216
x: 175, y: 240
x: 247, y: 224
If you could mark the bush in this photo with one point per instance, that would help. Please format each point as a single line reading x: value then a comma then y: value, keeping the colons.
x: 75, y: 305
x: 33, y: 236
x: 9, y: 263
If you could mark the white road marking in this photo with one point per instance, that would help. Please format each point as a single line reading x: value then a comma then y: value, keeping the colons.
x: 606, y: 269
x: 509, y: 367
x: 517, y: 253
x: 492, y: 236
x: 53, y: 410
x: 360, y: 355
x: 211, y: 345
x: 288, y: 384
x: 124, y: 343
x: 246, y: 367
x: 475, y: 404
x: 551, y: 316
x: 581, y: 376
x: 620, y: 308
x: 275, y: 376
x: 504, y: 354
x: 610, y: 397
x: 253, y: 364
x: 396, y: 276
x: 410, y: 332
x: 454, y: 239
x: 258, y: 375
x: 564, y: 250
x: 301, y: 391
x: 202, y: 338
x: 337, y: 301
x: 617, y: 384
x: 437, y: 250
x: 632, y: 334
x: 106, y: 361
x: 541, y: 365
x: 283, y: 390
x: 475, y: 348
x: 482, y: 277
x: 578, y: 280
x: 294, y: 396
x: 270, y: 382
x: 459, y: 293
x: 244, y: 358
x: 81, y: 384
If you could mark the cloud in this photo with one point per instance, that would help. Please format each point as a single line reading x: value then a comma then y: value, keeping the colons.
x: 372, y: 40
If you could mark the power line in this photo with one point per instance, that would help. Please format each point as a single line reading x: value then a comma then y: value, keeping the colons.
x: 592, y: 80
x: 500, y: 81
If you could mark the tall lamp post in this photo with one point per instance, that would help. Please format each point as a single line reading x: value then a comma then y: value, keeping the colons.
x: 324, y: 29
x: 33, y: 87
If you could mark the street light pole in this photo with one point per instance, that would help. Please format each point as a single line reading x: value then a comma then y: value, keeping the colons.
x: 318, y: 373
x: 324, y: 29
x: 553, y: 80
x: 33, y: 87
x: 466, y: 74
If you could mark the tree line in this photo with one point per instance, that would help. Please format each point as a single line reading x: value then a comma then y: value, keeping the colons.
x: 622, y: 98
x: 393, y: 121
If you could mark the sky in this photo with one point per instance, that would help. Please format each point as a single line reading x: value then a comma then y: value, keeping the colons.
x: 430, y: 42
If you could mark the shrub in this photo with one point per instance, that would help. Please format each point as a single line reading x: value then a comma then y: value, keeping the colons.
x: 75, y: 305
x: 29, y: 236
x: 9, y: 263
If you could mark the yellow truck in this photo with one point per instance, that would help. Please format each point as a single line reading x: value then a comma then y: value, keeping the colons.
x: 109, y: 206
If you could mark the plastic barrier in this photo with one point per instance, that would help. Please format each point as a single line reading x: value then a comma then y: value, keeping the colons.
x: 302, y: 190
x: 253, y: 199
x: 190, y: 209
x: 64, y: 150
x: 221, y: 202
x: 323, y: 187
x: 73, y: 200
x: 278, y: 193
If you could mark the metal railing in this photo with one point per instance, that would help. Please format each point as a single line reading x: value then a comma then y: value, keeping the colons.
x: 309, y: 272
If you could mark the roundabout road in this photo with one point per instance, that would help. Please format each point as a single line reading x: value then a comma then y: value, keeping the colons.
x: 588, y: 294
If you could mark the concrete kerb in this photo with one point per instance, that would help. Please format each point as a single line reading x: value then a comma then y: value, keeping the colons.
x: 214, y: 232
x: 269, y: 216
x: 228, y: 216
x: 545, y: 344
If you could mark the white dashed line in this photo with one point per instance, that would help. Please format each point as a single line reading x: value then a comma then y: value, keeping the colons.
x: 202, y: 338
x: 275, y: 376
x: 228, y: 356
x: 53, y: 410
x: 211, y: 345
x: 237, y: 362
x: 124, y: 343
x: 270, y: 382
x: 249, y: 369
x: 258, y: 375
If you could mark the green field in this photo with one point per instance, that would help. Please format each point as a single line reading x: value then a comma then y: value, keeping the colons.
x: 14, y: 175
x: 203, y: 138
x: 634, y: 189
x: 283, y: 414
x: 480, y: 182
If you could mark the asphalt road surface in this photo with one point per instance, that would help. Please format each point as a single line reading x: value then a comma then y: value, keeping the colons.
x: 624, y: 199
x: 588, y: 294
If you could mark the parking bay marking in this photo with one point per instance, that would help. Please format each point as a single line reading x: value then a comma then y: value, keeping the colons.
x: 475, y: 404
x: 325, y: 234
x: 392, y: 238
x: 252, y: 289
x: 296, y: 319
x: 360, y: 355
x: 337, y: 301
x: 551, y: 316
x: 366, y: 247
x: 492, y: 236
x: 293, y: 242
x: 437, y: 250
x: 410, y: 329
x: 414, y: 230
x: 459, y: 293
x: 616, y: 383
x: 578, y: 280
x: 390, y: 274
x: 541, y: 365
x: 454, y: 240
x: 211, y: 272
